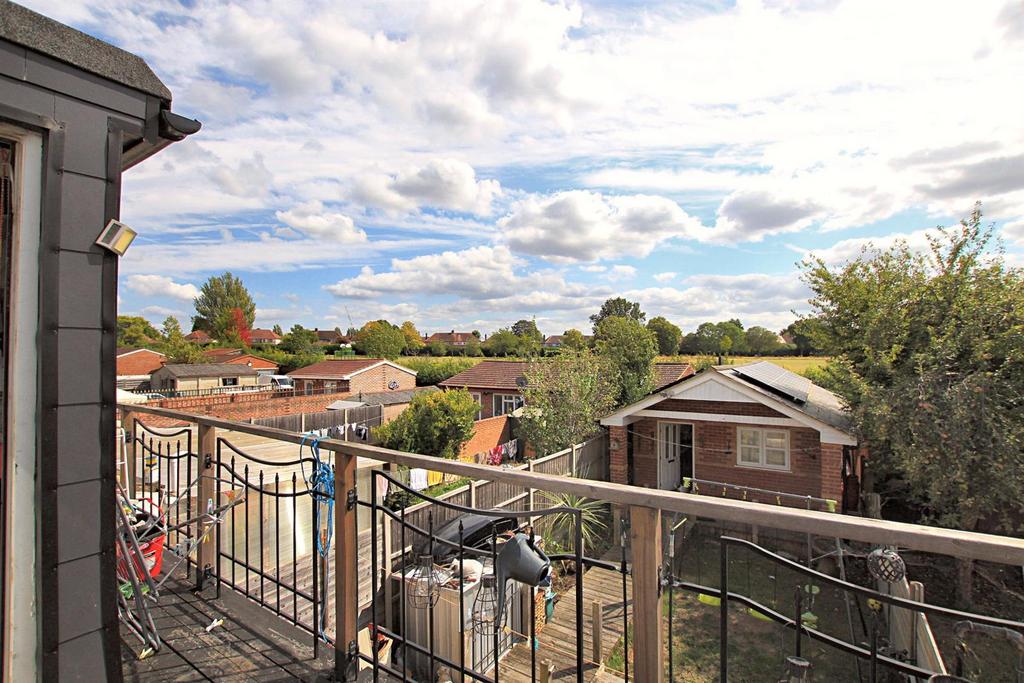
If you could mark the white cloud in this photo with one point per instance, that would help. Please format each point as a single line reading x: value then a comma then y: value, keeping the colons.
x: 159, y: 285
x: 161, y: 311
x: 311, y: 219
x: 249, y: 178
x: 579, y: 225
x: 667, y: 276
x: 441, y: 183
x: 1014, y: 232
x: 850, y: 249
x: 593, y: 268
x: 620, y: 272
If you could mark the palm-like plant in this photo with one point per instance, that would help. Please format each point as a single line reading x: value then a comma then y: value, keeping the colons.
x: 560, y: 527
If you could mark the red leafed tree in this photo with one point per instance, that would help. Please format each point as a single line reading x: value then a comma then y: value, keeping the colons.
x: 241, y: 326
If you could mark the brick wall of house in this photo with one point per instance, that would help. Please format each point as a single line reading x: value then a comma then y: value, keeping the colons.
x: 487, y: 434
x: 320, y: 385
x: 378, y: 378
x: 831, y: 471
x: 142, y: 362
x: 241, y: 406
x: 814, y: 467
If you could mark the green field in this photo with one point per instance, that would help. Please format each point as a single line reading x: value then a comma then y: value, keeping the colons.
x: 796, y: 364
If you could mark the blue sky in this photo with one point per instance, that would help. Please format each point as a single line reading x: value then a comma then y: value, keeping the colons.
x: 463, y: 165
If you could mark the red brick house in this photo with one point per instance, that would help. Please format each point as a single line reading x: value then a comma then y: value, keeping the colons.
x: 260, y: 336
x: 354, y: 375
x: 200, y: 337
x: 134, y: 366
x: 452, y: 338
x: 754, y: 425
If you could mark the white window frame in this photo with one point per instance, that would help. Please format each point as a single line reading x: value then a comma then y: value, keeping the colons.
x: 762, y: 463
x: 330, y: 387
x: 501, y: 399
x: 478, y: 397
x: 229, y: 381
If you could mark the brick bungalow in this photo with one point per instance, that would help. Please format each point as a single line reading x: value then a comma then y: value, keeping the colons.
x: 353, y: 375
x: 134, y: 366
x: 202, y: 376
x: 240, y: 357
x: 200, y: 337
x: 497, y: 385
x: 754, y: 425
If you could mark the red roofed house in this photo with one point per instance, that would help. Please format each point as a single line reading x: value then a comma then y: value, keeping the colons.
x: 264, y: 337
x: 240, y: 357
x: 366, y: 375
x: 452, y: 338
x: 497, y: 385
x: 555, y: 341
x: 134, y: 366
x: 200, y: 337
x: 756, y: 426
x: 329, y: 337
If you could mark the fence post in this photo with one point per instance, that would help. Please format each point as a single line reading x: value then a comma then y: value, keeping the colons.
x: 472, y: 493
x: 597, y: 629
x: 206, y: 500
x: 529, y: 468
x: 389, y: 597
x: 573, y: 473
x: 346, y: 582
x: 128, y: 425
x: 645, y: 540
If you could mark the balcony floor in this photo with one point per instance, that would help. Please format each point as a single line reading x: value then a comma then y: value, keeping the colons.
x: 252, y: 644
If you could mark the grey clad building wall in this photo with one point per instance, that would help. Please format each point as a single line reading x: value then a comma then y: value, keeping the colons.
x: 99, y: 110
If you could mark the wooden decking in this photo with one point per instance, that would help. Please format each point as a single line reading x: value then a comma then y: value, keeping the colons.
x: 557, y: 640
x: 251, y: 645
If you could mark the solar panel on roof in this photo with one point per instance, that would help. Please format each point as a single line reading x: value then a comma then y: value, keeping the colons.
x: 777, y: 379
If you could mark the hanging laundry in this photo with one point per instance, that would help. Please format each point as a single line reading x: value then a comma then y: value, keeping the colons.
x: 418, y: 479
x: 434, y: 478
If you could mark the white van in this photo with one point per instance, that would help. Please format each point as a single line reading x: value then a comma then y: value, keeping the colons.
x: 277, y: 381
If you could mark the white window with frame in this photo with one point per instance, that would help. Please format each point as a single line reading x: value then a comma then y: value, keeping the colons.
x: 229, y: 381
x: 330, y: 387
x: 480, y: 402
x: 506, y: 403
x: 766, y: 448
x: 309, y: 387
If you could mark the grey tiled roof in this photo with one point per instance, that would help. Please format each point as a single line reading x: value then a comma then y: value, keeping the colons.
x: 41, y: 34
x: 208, y: 370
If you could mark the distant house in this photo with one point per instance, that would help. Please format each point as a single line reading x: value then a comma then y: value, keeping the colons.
x: 200, y: 337
x: 353, y: 375
x: 670, y: 373
x: 393, y: 402
x: 556, y: 340
x: 756, y: 425
x: 134, y: 366
x: 264, y: 337
x: 330, y: 337
x: 240, y: 357
x: 202, y: 376
x: 452, y: 338
x: 495, y: 384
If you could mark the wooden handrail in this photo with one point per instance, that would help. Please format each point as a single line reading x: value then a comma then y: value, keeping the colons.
x: 987, y: 547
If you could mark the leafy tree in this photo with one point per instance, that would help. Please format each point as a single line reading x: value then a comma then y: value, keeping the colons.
x: 928, y: 352
x: 761, y: 341
x: 706, y: 340
x: 237, y: 332
x: 668, y: 335
x: 527, y: 328
x: 380, y: 339
x: 630, y: 350
x: 218, y: 297
x: 733, y: 331
x: 573, y: 340
x: 437, y: 348
x: 292, y: 361
x: 436, y: 423
x: 566, y: 396
x: 278, y: 331
x: 135, y: 331
x: 413, y: 339
x: 618, y: 307
x: 176, y: 347
x: 804, y: 333
x: 300, y: 341
x: 502, y: 343
x: 430, y: 371
x: 473, y: 347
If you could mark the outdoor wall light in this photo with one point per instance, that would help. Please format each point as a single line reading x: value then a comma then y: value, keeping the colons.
x: 116, y: 237
x: 427, y: 579
x: 885, y: 564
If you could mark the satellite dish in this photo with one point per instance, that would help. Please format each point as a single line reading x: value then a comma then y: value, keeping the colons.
x: 393, y: 384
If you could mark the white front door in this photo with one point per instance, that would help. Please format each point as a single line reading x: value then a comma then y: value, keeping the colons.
x: 675, y: 454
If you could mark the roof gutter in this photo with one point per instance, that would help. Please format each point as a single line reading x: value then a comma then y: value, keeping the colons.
x: 170, y: 128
